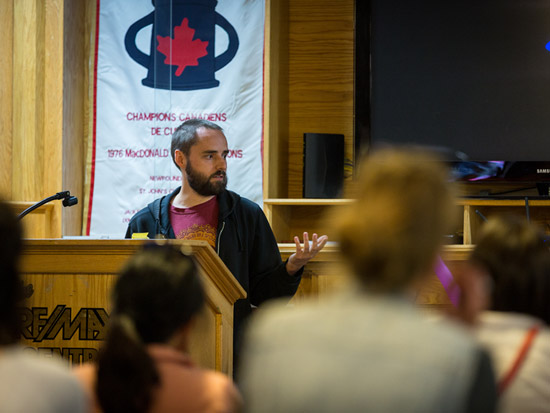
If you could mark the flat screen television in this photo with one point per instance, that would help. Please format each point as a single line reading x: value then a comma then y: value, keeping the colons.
x: 472, y: 77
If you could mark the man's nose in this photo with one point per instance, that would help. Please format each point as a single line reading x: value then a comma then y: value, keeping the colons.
x: 222, y: 163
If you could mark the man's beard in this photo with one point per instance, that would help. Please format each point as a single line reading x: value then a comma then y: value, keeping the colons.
x: 202, y: 184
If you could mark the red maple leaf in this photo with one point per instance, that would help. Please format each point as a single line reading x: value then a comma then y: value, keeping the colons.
x: 182, y: 50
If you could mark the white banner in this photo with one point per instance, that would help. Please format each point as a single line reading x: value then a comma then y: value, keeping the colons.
x: 156, y: 67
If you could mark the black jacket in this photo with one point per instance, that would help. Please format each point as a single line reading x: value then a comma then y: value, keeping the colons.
x: 244, y: 242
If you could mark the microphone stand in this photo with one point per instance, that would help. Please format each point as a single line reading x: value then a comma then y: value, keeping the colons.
x: 68, y: 201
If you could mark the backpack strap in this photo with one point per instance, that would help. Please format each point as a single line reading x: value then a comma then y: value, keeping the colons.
x: 520, y: 358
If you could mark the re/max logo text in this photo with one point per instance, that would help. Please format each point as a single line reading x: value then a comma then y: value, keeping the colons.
x: 90, y: 323
x: 72, y: 355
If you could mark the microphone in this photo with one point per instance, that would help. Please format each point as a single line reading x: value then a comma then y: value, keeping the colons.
x: 68, y: 201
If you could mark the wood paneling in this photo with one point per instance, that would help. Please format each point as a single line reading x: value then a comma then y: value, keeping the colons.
x: 38, y: 223
x: 320, y: 89
x: 28, y: 150
x: 42, y: 98
x: 52, y: 100
x: 276, y: 99
x: 6, y: 98
x: 89, y: 47
x: 290, y: 217
x: 37, y: 101
x: 538, y: 211
x: 75, y: 90
x: 309, y: 88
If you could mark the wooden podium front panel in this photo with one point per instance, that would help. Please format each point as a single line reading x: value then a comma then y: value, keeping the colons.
x: 56, y: 322
x: 70, y: 282
x: 67, y: 314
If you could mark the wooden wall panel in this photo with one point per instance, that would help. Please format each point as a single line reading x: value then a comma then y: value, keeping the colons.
x: 52, y: 101
x: 89, y: 47
x: 37, y: 73
x: 320, y: 95
x: 33, y: 96
x: 27, y: 150
x: 75, y: 86
x: 6, y: 97
x: 276, y: 99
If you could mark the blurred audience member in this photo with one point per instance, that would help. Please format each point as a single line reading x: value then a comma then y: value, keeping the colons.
x: 144, y: 365
x: 516, y: 330
x: 30, y: 383
x: 470, y: 285
x: 370, y: 349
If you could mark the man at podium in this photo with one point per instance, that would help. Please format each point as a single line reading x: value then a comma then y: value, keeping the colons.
x: 203, y: 209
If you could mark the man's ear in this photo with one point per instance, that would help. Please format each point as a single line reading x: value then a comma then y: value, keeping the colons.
x: 181, y: 159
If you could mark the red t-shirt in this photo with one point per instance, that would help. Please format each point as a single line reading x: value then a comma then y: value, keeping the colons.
x: 199, y: 222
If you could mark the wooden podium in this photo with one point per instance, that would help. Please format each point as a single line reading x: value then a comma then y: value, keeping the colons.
x: 69, y: 281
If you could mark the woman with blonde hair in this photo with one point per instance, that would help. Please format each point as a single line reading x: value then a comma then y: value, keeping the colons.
x: 370, y: 348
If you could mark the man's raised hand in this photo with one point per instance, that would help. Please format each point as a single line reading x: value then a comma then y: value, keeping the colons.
x: 306, y: 252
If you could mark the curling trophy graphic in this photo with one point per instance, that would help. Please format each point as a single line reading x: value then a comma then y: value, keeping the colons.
x: 182, y: 44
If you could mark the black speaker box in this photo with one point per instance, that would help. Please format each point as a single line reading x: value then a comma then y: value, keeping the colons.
x: 323, y: 165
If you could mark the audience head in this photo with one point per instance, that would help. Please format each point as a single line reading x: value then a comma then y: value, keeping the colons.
x: 185, y: 136
x: 11, y: 291
x: 154, y: 299
x: 392, y: 234
x: 514, y: 254
x: 159, y: 290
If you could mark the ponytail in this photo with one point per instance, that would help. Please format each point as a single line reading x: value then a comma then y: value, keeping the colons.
x: 158, y: 292
x: 126, y: 373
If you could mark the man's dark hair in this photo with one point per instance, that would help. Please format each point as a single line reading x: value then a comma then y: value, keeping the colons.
x: 11, y: 238
x: 185, y: 135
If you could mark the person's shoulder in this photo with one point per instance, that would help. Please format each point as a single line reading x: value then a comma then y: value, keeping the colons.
x: 218, y: 391
x: 205, y: 387
x: 152, y: 208
x: 451, y: 337
x: 275, y: 319
x: 235, y: 200
x: 49, y: 368
x: 251, y: 206
x: 54, y: 387
x: 141, y: 213
x: 500, y: 331
x: 147, y: 211
x: 219, y: 382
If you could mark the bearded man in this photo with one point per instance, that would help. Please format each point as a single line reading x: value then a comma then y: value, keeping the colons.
x: 202, y: 208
